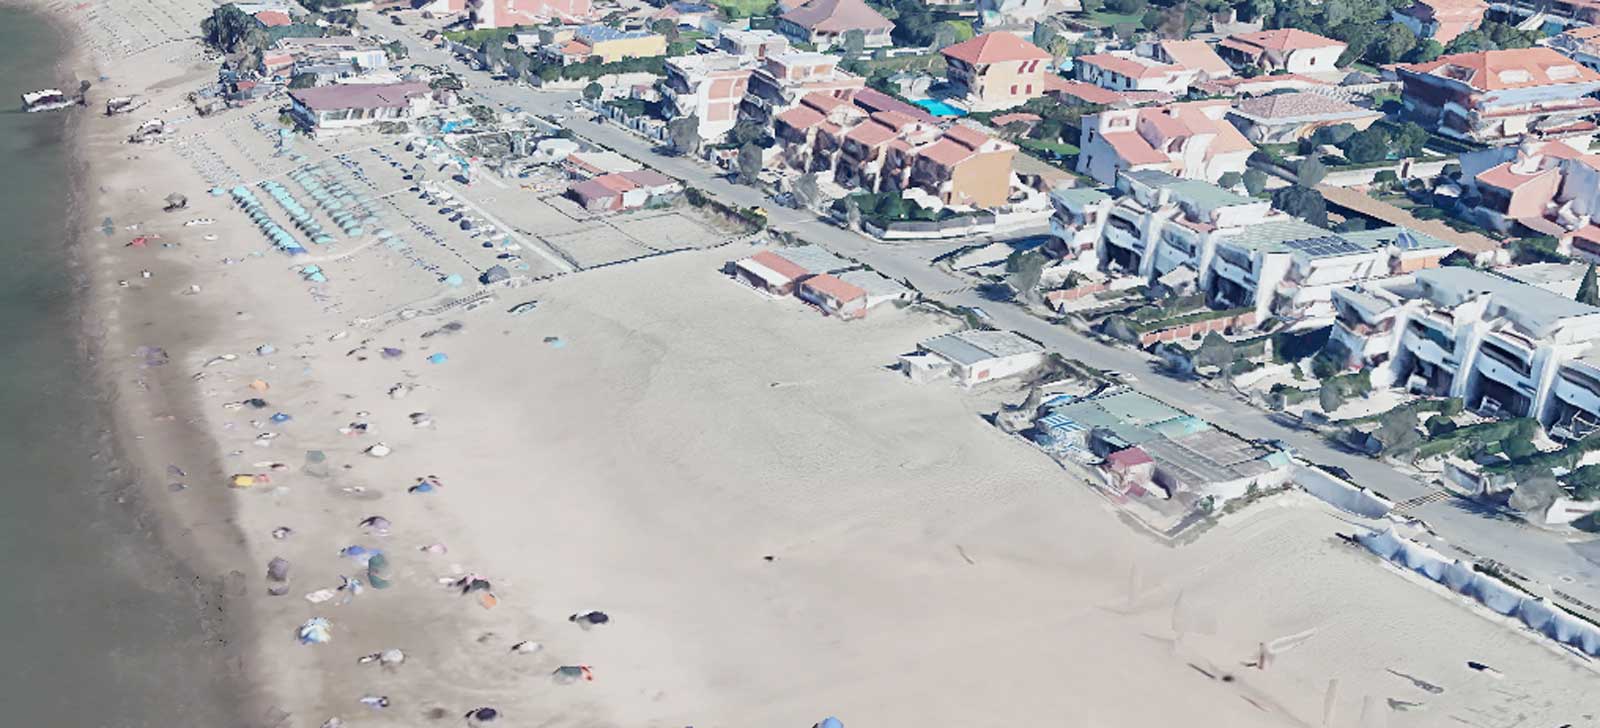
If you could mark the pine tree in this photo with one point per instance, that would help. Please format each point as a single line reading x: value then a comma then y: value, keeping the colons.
x: 1589, y: 289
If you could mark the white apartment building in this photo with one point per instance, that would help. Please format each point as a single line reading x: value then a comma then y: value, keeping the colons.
x: 1240, y: 251
x: 1501, y: 345
x: 708, y: 87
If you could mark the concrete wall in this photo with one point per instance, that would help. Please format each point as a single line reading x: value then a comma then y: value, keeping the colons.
x: 1342, y: 494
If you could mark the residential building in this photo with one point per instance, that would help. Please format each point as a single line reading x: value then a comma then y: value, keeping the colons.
x: 1503, y: 346
x: 973, y: 357
x: 1191, y: 140
x: 784, y: 78
x: 1262, y: 85
x: 608, y: 44
x: 1244, y: 254
x: 1129, y: 72
x: 757, y: 44
x: 510, y: 13
x: 1550, y: 188
x: 1288, y: 118
x: 1080, y: 93
x: 364, y: 55
x: 996, y: 71
x: 1581, y: 45
x: 824, y: 23
x: 779, y: 272
x: 1441, y: 20
x: 963, y: 166
x: 1286, y: 49
x: 1019, y: 13
x: 1077, y: 222
x: 691, y: 15
x: 1497, y: 97
x: 1197, y: 55
x: 584, y: 165
x: 812, y: 132
x: 353, y: 105
x: 708, y: 87
x: 623, y: 190
x: 864, y: 147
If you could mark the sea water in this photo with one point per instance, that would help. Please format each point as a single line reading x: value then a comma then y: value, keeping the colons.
x: 98, y: 626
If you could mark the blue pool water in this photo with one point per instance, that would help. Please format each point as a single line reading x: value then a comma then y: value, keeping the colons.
x: 939, y: 108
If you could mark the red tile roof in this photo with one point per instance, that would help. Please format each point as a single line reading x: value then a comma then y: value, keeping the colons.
x: 273, y: 18
x: 780, y: 265
x: 1125, y: 66
x: 1092, y: 94
x: 1506, y: 178
x: 1196, y: 54
x: 800, y: 117
x: 995, y: 48
x: 1284, y: 39
x: 837, y: 16
x: 946, y: 152
x: 966, y: 136
x: 1507, y: 69
x: 1127, y: 458
x: 615, y: 182
x: 648, y: 178
x: 1133, y: 149
x: 870, y: 134
x: 832, y: 286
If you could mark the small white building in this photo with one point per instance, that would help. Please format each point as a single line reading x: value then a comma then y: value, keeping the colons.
x: 354, y: 105
x: 973, y: 357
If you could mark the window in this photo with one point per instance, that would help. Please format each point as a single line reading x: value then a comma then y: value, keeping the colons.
x: 1029, y: 90
x: 1023, y: 68
x: 1013, y: 89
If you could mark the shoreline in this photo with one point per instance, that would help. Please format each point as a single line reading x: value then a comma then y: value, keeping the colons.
x: 779, y: 529
x: 189, y: 539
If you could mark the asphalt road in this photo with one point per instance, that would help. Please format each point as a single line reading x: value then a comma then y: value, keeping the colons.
x: 1537, y: 554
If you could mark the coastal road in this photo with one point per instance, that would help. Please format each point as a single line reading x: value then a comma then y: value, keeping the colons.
x: 1539, y: 555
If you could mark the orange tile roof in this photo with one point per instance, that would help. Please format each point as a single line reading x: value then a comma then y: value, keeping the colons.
x: 966, y: 136
x: 1196, y: 54
x: 1127, y: 66
x: 273, y: 18
x: 1092, y: 94
x: 870, y: 134
x: 832, y: 286
x: 1284, y: 39
x: 800, y: 117
x: 1506, y: 178
x: 946, y: 152
x: 995, y: 48
x: 615, y: 182
x: 1133, y: 149
x: 837, y: 16
x: 780, y: 265
x: 1507, y: 69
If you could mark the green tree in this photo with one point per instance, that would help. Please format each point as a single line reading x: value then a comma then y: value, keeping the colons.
x: 1310, y: 172
x: 593, y: 91
x: 303, y: 80
x: 1368, y: 145
x: 1215, y: 351
x: 1425, y: 51
x: 1127, y: 7
x: 1255, y: 181
x: 1409, y: 140
x: 683, y: 134
x: 746, y: 132
x: 749, y: 172
x: 855, y: 43
x: 1230, y: 180
x: 227, y: 28
x: 1589, y: 289
x: 1391, y: 44
x: 1302, y: 202
x: 667, y: 29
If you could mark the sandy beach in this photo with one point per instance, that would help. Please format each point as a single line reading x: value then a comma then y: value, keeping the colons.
x: 779, y: 527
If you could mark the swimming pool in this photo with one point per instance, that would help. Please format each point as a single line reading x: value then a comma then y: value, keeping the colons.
x: 939, y: 108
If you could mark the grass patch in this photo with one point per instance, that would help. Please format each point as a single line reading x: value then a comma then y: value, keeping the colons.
x: 476, y: 37
x: 744, y: 8
x: 1109, y: 19
x: 1038, y: 145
